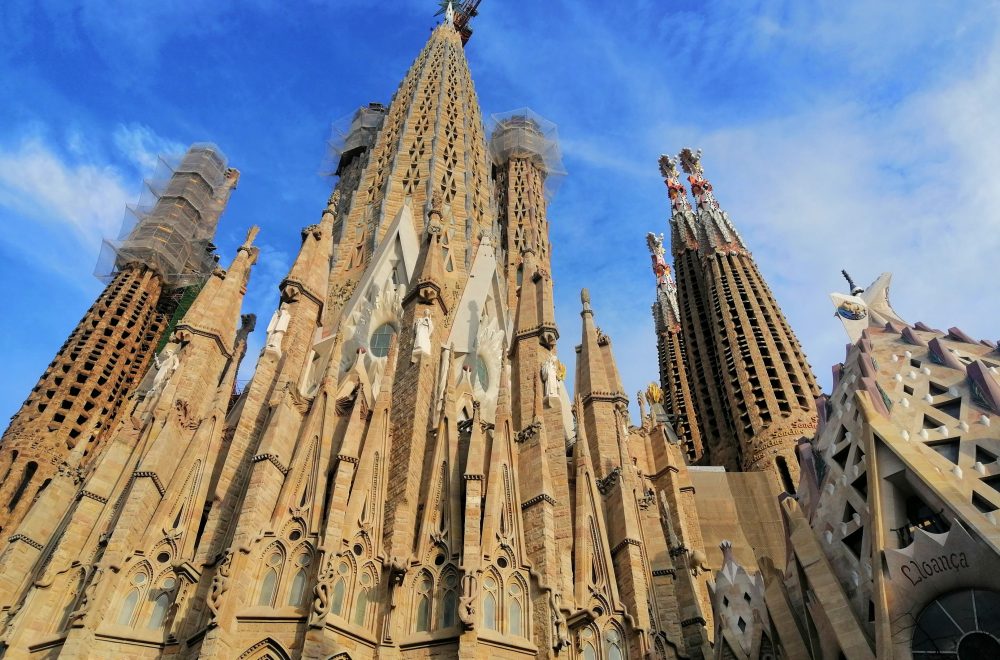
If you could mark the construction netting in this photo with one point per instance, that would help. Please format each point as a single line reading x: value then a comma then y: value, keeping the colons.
x: 172, y: 227
x: 526, y: 134
x: 351, y: 135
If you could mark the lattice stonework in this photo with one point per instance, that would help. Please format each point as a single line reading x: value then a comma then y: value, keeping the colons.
x: 701, y: 349
x: 431, y: 142
x: 78, y: 398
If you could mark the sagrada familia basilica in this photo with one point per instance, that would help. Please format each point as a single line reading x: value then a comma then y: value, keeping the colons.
x: 408, y: 475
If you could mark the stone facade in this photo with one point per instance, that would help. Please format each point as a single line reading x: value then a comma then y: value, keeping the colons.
x: 407, y: 475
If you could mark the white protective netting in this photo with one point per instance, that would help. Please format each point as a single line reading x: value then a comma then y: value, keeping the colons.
x: 171, y: 228
x: 525, y: 134
x: 352, y: 134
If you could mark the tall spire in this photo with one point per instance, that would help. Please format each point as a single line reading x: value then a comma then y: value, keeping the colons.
x: 716, y: 232
x: 699, y: 354
x: 675, y: 396
x: 769, y: 387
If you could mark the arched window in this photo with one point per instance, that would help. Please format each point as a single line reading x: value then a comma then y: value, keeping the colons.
x: 449, y: 600
x: 515, y: 609
x: 962, y: 625
x: 127, y: 612
x: 378, y: 345
x: 423, y: 602
x: 270, y: 582
x: 361, y: 606
x: 128, y: 608
x: 29, y: 472
x: 490, y: 602
x: 161, y: 603
x: 589, y: 650
x: 614, y: 645
x: 786, y: 476
x: 340, y: 589
x: 159, y: 613
x: 298, y: 590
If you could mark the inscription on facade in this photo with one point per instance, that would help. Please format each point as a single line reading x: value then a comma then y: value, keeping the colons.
x: 917, y: 573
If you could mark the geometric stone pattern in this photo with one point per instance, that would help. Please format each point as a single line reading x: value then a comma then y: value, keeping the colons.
x: 764, y: 389
x: 69, y: 413
x: 406, y: 475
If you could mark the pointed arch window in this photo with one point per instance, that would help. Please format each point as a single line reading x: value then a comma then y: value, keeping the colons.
x: 127, y: 611
x: 449, y: 600
x: 340, y: 589
x: 614, y: 645
x: 423, y: 603
x: 29, y: 472
x: 490, y: 602
x: 515, y: 609
x: 131, y: 602
x: 159, y: 613
x: 161, y: 602
x: 269, y: 585
x: 298, y: 591
x: 589, y: 650
x: 361, y: 606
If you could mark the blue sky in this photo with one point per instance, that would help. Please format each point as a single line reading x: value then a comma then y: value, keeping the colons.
x: 844, y: 134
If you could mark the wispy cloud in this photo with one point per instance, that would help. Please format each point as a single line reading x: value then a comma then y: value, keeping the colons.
x: 39, y: 185
x: 63, y: 198
x: 143, y: 147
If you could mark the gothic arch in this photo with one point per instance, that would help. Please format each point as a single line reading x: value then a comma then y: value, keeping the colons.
x: 265, y: 649
x: 132, y: 595
x: 273, y: 563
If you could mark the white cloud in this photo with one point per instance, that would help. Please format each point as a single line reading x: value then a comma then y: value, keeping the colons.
x: 45, y: 191
x: 143, y: 147
x: 60, y: 200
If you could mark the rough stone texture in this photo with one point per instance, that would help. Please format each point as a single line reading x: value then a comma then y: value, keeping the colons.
x: 362, y: 499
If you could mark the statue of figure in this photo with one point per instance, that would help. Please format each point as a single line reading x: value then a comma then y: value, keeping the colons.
x: 166, y: 363
x: 423, y: 327
x: 276, y: 329
x: 550, y: 377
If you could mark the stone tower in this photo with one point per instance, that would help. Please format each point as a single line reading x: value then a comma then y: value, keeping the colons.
x: 716, y: 427
x: 70, y: 412
x: 675, y: 394
x: 764, y: 390
x: 406, y: 473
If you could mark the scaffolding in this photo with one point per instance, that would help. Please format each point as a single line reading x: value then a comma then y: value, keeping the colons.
x: 525, y: 134
x: 351, y: 135
x: 171, y: 229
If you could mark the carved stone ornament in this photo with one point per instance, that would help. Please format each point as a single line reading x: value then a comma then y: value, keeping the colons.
x: 77, y: 615
x: 691, y: 161
x: 550, y: 377
x: 184, y: 416
x: 668, y: 167
x: 220, y: 584
x: 529, y: 432
x: 397, y: 571
x: 607, y: 483
x: 423, y: 329
x: 467, y: 603
x: 321, y: 595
